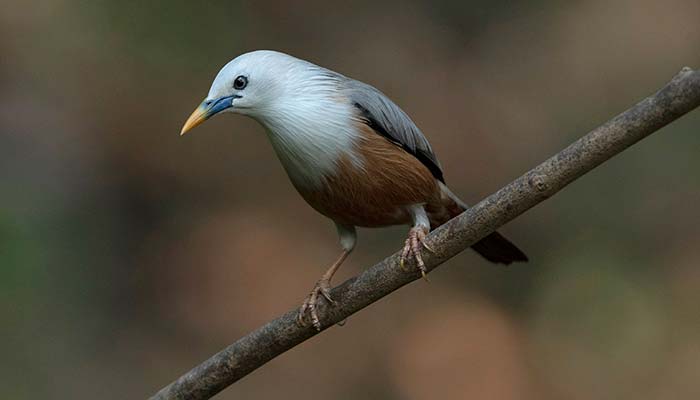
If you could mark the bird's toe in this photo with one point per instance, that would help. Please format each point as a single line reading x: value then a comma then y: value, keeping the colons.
x: 309, y: 308
x: 413, y: 248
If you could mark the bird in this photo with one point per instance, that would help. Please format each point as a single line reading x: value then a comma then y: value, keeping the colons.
x: 353, y: 154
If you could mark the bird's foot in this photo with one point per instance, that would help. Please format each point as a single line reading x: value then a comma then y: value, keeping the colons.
x: 309, y: 308
x: 413, y: 249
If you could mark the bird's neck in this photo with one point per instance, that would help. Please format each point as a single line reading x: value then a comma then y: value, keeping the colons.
x: 310, y: 137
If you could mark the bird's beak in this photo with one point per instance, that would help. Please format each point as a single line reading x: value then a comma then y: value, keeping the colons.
x: 206, y: 110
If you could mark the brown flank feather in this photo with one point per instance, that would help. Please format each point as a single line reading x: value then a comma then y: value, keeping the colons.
x: 379, y: 192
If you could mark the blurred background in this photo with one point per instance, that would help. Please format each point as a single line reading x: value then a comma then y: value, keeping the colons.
x: 129, y: 254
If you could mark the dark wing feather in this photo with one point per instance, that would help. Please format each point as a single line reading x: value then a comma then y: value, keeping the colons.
x: 390, y: 121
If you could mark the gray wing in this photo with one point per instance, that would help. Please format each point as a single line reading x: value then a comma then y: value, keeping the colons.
x: 390, y: 121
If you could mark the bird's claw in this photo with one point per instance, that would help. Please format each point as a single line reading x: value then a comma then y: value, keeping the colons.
x: 413, y: 248
x: 402, y: 260
x: 309, y: 307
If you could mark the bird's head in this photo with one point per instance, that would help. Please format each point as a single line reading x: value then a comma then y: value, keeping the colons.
x: 252, y: 84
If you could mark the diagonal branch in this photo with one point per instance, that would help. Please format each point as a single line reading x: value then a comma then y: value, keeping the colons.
x: 250, y: 352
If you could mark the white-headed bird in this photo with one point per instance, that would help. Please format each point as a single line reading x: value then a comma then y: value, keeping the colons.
x: 352, y: 154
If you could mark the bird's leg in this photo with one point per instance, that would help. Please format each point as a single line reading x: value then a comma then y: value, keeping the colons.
x: 414, y: 244
x: 323, y: 286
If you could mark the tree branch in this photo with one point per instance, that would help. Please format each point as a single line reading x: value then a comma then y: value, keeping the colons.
x: 250, y: 352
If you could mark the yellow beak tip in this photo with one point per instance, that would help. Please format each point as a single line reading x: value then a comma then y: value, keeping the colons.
x: 185, y: 129
x: 197, y: 117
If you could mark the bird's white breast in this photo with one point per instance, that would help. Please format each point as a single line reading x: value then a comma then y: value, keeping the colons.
x: 310, y: 136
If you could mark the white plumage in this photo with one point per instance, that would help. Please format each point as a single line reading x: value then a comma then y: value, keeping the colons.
x: 300, y: 108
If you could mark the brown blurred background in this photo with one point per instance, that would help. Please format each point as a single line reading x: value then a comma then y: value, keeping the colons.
x: 129, y: 254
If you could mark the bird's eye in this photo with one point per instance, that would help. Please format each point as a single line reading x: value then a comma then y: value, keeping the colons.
x: 240, y: 82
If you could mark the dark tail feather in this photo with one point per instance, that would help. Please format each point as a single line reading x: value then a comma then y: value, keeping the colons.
x: 493, y: 247
x: 498, y: 249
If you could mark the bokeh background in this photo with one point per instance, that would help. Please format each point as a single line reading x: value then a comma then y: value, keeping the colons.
x: 129, y: 254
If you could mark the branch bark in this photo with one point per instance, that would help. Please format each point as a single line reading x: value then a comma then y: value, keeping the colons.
x: 250, y: 352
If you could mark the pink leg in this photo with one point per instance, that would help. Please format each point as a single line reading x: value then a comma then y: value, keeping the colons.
x: 322, y: 288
